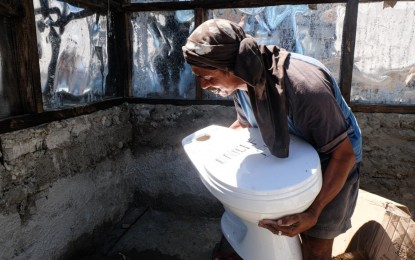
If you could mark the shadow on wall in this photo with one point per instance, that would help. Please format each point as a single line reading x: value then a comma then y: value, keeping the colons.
x: 168, y: 180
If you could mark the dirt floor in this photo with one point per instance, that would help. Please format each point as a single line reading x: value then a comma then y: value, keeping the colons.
x: 398, y: 190
x: 148, y: 234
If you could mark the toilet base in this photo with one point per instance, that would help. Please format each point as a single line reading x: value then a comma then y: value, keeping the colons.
x: 252, y: 242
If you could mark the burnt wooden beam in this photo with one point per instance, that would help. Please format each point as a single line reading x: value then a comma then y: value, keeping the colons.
x: 201, y: 15
x: 62, y: 21
x: 128, y: 53
x: 27, y: 57
x: 216, y: 4
x: 9, y: 10
x: 119, y: 74
x: 97, y: 6
x: 179, y: 102
x: 219, y: 4
x: 348, y: 45
x: 379, y: 108
x: 31, y: 120
x: 88, y: 4
x: 120, y: 54
x: 374, y: 1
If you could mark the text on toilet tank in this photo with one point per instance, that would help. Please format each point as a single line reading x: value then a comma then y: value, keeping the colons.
x: 250, y: 145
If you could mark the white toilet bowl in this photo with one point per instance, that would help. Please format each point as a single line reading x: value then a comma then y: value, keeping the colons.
x: 238, y: 169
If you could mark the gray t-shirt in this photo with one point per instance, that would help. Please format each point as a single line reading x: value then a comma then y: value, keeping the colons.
x: 313, y: 111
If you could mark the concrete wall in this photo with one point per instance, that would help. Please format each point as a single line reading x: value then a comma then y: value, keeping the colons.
x: 63, y: 180
x: 169, y: 180
x: 388, y: 167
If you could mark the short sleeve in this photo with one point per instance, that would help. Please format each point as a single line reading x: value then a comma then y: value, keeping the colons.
x: 313, y: 107
x: 241, y: 117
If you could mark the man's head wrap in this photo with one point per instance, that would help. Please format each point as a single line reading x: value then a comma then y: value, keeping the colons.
x: 222, y: 44
x: 214, y: 45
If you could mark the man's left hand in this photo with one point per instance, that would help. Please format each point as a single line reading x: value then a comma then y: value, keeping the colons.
x: 291, y: 225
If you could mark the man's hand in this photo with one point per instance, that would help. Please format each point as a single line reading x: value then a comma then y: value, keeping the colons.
x: 291, y: 225
x: 237, y: 125
x: 341, y: 162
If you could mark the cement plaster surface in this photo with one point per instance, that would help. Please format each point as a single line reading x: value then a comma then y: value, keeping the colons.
x: 163, y: 235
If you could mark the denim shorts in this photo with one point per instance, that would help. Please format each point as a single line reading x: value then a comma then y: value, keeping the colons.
x: 335, y: 217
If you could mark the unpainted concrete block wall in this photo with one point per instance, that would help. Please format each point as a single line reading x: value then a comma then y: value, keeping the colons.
x: 388, y: 167
x: 61, y: 180
x: 171, y: 182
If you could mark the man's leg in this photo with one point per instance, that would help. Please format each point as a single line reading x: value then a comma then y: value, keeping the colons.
x: 316, y: 248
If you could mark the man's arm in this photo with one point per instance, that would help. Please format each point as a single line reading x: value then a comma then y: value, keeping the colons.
x: 237, y: 125
x: 342, y: 160
x: 341, y: 163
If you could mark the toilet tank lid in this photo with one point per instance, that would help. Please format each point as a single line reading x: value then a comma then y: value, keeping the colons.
x: 241, y: 162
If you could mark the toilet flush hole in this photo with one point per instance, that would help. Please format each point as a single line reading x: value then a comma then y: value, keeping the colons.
x: 203, y: 137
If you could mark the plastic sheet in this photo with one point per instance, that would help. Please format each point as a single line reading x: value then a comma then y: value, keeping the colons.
x: 72, y: 44
x: 384, y: 69
x: 159, y: 68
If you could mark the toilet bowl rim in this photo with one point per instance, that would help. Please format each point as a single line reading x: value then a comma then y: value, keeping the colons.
x: 265, y: 196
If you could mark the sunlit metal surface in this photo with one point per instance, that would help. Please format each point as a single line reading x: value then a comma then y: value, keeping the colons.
x: 72, y: 45
x: 384, y: 69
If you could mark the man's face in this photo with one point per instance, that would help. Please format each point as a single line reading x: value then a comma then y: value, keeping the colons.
x: 220, y: 82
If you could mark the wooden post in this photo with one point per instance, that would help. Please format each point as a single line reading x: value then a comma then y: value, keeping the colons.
x: 128, y: 55
x: 348, y: 44
x: 201, y: 15
x: 27, y: 57
x: 119, y: 54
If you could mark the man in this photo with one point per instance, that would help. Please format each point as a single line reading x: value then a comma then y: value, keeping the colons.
x: 283, y: 93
